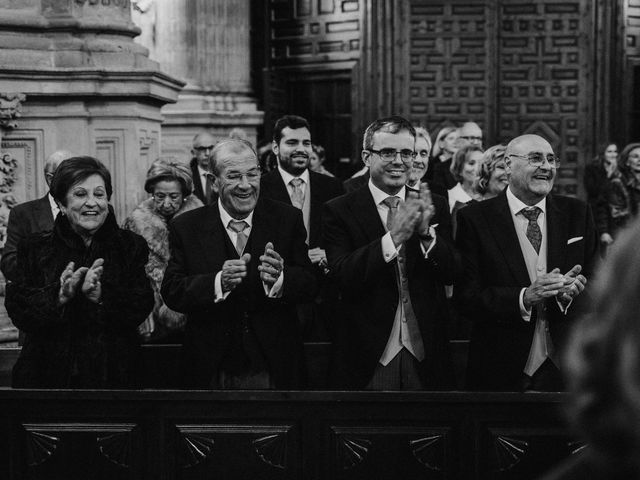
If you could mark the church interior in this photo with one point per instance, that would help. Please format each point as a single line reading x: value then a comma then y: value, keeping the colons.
x: 128, y: 81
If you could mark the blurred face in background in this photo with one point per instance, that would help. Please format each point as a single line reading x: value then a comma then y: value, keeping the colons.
x: 449, y: 143
x: 420, y: 163
x: 471, y: 169
x: 202, y: 148
x: 633, y: 160
x: 498, y: 180
x: 167, y: 197
x: 611, y: 154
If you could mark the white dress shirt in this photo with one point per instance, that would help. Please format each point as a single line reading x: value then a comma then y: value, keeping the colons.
x: 276, y: 289
x: 305, y: 186
x: 541, y: 346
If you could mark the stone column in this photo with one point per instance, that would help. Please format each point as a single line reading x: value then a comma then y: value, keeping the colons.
x: 89, y: 89
x: 205, y: 43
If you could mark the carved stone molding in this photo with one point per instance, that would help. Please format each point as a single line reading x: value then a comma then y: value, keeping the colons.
x: 10, y: 106
x: 124, y: 4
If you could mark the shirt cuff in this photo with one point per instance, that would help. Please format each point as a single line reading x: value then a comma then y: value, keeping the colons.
x: 219, y: 295
x: 389, y: 250
x: 524, y: 313
x: 425, y: 251
x: 276, y: 288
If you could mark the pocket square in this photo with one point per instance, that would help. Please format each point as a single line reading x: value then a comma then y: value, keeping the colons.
x: 574, y: 240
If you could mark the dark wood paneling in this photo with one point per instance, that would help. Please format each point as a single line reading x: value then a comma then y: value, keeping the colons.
x: 279, y: 435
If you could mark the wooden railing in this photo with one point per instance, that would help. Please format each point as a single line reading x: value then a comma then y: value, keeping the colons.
x: 160, y: 435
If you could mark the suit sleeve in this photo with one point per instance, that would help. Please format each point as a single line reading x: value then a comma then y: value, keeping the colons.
x: 474, y: 293
x: 300, y: 285
x: 15, y: 233
x: 182, y: 292
x: 357, y: 270
x: 32, y: 308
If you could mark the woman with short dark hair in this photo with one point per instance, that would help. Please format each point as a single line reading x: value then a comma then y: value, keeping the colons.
x: 170, y: 184
x: 80, y: 291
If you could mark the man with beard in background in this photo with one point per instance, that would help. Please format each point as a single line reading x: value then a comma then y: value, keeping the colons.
x: 293, y: 183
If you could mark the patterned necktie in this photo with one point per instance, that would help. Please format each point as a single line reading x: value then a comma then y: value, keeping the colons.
x: 239, y: 226
x: 297, y: 197
x: 392, y: 203
x: 533, y: 229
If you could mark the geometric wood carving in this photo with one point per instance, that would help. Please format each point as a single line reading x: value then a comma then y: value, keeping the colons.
x: 507, y: 452
x: 351, y: 450
x: 195, y: 447
x: 116, y: 447
x: 429, y: 451
x: 113, y: 440
x: 272, y: 449
x: 40, y: 446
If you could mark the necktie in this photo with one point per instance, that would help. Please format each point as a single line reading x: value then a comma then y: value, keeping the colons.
x: 239, y: 226
x: 207, y: 188
x: 297, y: 197
x: 392, y: 203
x: 533, y: 229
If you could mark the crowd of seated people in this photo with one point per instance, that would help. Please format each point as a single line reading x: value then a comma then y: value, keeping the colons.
x: 241, y: 266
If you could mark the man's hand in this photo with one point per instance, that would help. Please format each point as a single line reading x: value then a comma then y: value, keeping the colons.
x: 317, y: 255
x: 92, y: 287
x: 406, y: 219
x: 271, y: 265
x: 574, y: 285
x: 69, y: 282
x: 233, y: 271
x: 545, y: 286
x: 427, y: 208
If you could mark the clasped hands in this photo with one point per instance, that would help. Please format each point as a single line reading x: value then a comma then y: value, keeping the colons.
x: 87, y: 279
x: 270, y: 268
x: 554, y: 284
x: 413, y: 215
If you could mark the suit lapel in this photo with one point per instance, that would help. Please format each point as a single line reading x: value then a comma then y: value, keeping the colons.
x: 43, y: 214
x: 278, y: 189
x: 212, y: 238
x: 365, y: 213
x: 557, y: 229
x: 504, y: 232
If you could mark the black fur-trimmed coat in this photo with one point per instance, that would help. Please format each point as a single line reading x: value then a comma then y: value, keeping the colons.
x: 152, y: 226
x: 80, y: 344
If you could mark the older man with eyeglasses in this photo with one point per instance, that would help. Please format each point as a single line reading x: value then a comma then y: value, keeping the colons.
x: 391, y: 253
x: 526, y: 257
x: 203, y: 144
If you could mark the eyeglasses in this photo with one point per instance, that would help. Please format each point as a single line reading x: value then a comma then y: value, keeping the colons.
x: 252, y: 176
x: 537, y: 159
x: 161, y: 197
x: 389, y: 154
x: 203, y: 148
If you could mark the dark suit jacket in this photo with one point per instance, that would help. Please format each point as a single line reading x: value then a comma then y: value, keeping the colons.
x: 356, y: 183
x: 198, y: 188
x: 24, y: 219
x: 353, y: 232
x: 494, y: 272
x: 323, y: 189
x: 199, y: 243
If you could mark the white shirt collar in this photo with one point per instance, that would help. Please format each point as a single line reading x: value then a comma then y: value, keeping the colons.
x: 379, y: 196
x: 287, y: 177
x: 515, y: 204
x: 226, y: 218
x: 202, y: 171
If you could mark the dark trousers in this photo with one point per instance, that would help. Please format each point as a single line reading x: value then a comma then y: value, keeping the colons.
x: 546, y: 379
x: 401, y: 373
